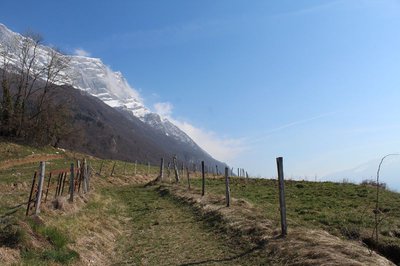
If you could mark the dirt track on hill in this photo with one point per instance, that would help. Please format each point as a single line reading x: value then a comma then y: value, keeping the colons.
x: 29, y: 159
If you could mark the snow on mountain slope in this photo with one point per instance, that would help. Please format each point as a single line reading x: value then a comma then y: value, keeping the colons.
x: 94, y: 77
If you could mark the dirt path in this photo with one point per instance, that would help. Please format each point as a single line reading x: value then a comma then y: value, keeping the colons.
x: 161, y: 231
x: 29, y: 159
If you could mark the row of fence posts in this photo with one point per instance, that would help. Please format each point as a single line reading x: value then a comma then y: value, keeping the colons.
x: 281, y: 185
x: 79, y: 176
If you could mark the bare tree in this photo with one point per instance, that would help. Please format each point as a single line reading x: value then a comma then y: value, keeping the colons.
x: 28, y: 75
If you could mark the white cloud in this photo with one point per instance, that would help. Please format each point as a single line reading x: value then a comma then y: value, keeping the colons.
x: 221, y: 148
x: 164, y: 109
x: 81, y: 52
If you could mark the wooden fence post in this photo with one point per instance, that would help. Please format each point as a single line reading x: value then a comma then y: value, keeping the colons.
x: 63, y: 182
x: 148, y: 168
x: 84, y: 180
x: 124, y: 168
x: 162, y: 169
x: 227, y: 188
x: 71, y: 183
x: 47, y: 190
x: 30, y: 194
x: 176, y: 170
x: 282, y: 203
x: 135, y: 166
x: 203, y: 179
x: 112, y: 171
x: 58, y: 185
x: 40, y: 187
x: 188, y: 177
x: 101, y: 167
x: 169, y: 171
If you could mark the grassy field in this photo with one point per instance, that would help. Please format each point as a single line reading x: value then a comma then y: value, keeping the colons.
x: 120, y: 223
x: 343, y: 209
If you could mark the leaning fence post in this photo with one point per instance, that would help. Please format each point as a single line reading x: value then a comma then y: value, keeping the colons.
x: 112, y: 171
x: 30, y: 194
x: 227, y: 188
x: 63, y: 183
x: 203, y: 179
x: 40, y: 187
x: 282, y: 203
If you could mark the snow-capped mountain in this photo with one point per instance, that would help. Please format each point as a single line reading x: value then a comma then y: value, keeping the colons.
x: 95, y: 78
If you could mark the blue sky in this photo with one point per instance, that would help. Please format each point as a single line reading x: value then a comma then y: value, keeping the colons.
x: 316, y: 82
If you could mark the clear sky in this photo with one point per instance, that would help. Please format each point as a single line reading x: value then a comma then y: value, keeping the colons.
x: 317, y: 82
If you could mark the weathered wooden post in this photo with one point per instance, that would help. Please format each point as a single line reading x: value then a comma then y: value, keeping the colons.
x: 227, y: 188
x: 85, y: 175
x: 30, y: 194
x: 216, y: 169
x: 101, y: 167
x: 124, y: 168
x: 89, y: 174
x: 71, y: 184
x: 161, y: 176
x: 79, y: 174
x: 176, y: 170
x: 112, y: 171
x: 40, y: 187
x: 203, y: 179
x: 135, y: 166
x: 58, y: 185
x: 63, y: 183
x: 238, y: 173
x: 169, y: 171
x: 188, y: 177
x: 282, y: 203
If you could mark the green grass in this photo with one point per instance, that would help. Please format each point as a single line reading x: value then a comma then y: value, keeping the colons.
x: 166, y: 232
x: 341, y: 208
x: 10, y: 150
x: 58, y: 251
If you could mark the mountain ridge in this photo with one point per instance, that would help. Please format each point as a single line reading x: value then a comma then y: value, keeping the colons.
x: 93, y: 78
